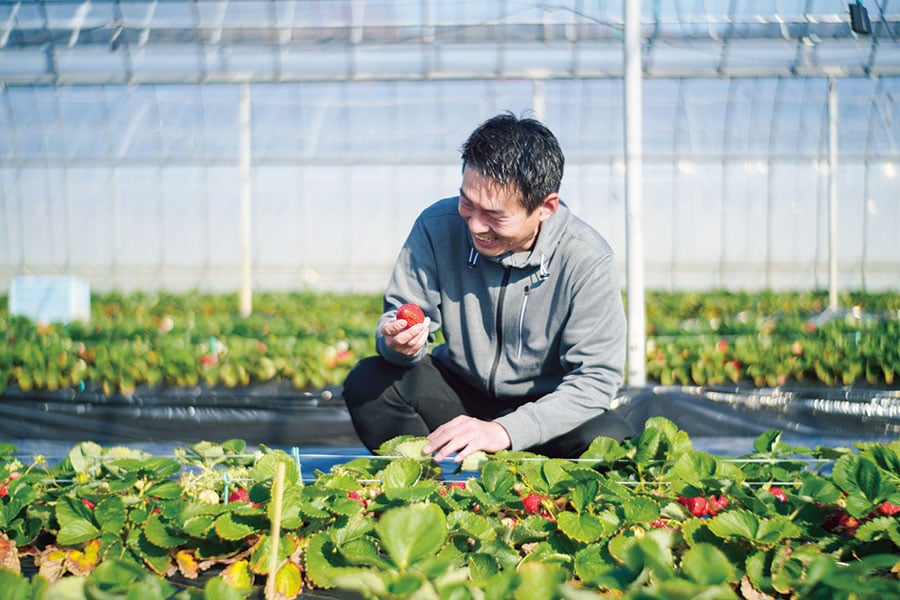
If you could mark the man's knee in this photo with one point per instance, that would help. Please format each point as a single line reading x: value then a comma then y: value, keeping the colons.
x: 367, y: 380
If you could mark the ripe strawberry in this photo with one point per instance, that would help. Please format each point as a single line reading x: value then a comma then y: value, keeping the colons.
x: 778, y: 493
x: 532, y: 502
x: 411, y: 313
x: 886, y: 508
x: 239, y: 495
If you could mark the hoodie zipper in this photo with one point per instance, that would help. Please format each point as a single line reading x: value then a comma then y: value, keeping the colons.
x: 522, y: 323
x: 498, y: 351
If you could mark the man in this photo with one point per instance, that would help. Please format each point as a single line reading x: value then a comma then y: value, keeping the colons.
x: 527, y: 297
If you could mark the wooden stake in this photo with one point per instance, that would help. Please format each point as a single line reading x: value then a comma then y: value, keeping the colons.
x: 277, y: 496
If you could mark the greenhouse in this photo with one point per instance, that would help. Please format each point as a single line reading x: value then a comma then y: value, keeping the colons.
x: 201, y: 203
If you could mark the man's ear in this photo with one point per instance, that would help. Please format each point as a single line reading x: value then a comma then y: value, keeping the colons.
x: 549, y: 206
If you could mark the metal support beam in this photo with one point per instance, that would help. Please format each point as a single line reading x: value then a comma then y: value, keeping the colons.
x: 634, y: 241
x: 246, y: 292
x: 832, y: 195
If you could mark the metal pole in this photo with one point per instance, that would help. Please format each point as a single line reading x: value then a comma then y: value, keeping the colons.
x: 245, y: 299
x: 634, y: 243
x: 832, y: 195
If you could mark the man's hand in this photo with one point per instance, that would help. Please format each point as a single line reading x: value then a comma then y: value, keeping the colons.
x: 465, y: 435
x: 405, y: 341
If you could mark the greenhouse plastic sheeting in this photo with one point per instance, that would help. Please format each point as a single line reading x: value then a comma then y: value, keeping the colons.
x: 278, y: 415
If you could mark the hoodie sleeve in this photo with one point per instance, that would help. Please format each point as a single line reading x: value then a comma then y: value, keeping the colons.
x: 592, y: 355
x: 414, y: 279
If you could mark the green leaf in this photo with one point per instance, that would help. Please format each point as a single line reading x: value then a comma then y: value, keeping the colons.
x: 497, y: 480
x: 582, y: 527
x: 75, y: 532
x: 85, y: 458
x: 655, y: 550
x: 401, y: 473
x: 694, y: 467
x: 775, y: 529
x: 217, y: 589
x: 471, y: 524
x: 539, y: 581
x: 267, y: 466
x: 596, y: 566
x: 364, y: 552
x: 605, y: 450
x: 232, y: 526
x: 706, y: 565
x: 855, y: 474
x: 110, y: 514
x: 765, y: 442
x: 410, y: 533
x: 158, y: 559
x: 324, y: 564
x: 14, y: 586
x: 640, y: 510
x: 482, y: 567
x: 162, y: 534
x: 199, y: 526
x: 167, y: 490
x: 734, y: 523
x: 584, y: 494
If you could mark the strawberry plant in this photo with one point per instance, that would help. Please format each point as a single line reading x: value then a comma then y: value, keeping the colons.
x: 312, y: 340
x: 648, y: 517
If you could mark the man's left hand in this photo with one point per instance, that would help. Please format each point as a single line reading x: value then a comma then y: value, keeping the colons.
x: 465, y: 435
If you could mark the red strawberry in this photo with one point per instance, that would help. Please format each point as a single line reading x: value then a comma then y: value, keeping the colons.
x: 532, y: 502
x: 239, y: 495
x: 88, y: 503
x: 886, y: 508
x: 778, y: 493
x: 411, y: 313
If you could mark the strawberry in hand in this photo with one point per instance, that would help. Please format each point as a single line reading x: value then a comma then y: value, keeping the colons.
x: 411, y: 313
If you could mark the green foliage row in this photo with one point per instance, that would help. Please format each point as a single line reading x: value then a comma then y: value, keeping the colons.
x: 311, y: 340
x: 649, y: 518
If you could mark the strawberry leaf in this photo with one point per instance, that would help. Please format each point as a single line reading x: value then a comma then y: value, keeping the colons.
x: 582, y: 527
x: 411, y: 533
x: 707, y: 565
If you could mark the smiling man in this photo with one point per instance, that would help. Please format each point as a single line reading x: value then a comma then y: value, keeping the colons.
x: 527, y: 297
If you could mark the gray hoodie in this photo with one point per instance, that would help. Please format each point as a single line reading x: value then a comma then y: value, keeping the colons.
x: 548, y: 321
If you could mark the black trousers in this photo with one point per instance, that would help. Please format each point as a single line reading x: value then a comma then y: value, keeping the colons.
x: 386, y: 400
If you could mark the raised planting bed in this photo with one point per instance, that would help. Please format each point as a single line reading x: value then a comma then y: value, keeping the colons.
x: 651, y: 517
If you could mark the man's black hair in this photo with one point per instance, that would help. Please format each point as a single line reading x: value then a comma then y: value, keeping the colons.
x: 523, y: 152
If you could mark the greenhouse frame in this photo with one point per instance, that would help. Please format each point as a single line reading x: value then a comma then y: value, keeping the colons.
x: 286, y: 144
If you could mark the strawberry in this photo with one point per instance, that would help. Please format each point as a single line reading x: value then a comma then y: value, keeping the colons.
x: 239, y: 495
x: 411, y: 313
x: 532, y: 502
x: 886, y: 508
x: 778, y: 493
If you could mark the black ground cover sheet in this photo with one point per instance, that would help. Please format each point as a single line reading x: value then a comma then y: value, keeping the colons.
x: 277, y: 415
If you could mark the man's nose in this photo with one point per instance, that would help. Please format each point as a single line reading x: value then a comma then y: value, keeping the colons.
x: 475, y: 221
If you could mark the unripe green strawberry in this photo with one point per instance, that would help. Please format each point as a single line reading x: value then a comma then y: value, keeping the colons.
x: 411, y: 313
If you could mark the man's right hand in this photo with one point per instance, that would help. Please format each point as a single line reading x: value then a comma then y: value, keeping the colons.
x: 405, y: 341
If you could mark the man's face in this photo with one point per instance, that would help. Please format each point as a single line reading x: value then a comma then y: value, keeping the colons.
x: 497, y: 220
